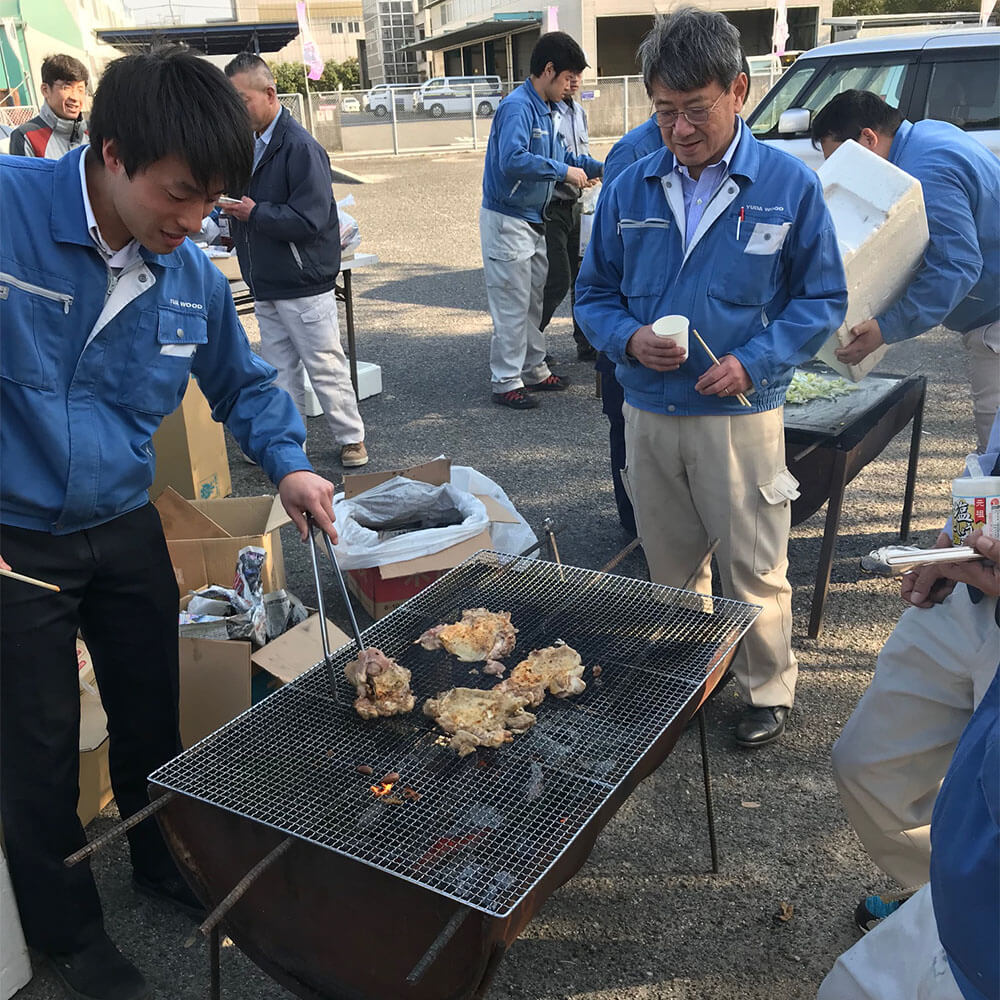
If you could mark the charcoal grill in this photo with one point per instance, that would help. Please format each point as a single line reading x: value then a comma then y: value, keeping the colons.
x: 420, y: 898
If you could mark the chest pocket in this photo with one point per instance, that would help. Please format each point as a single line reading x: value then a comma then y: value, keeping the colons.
x: 160, y: 358
x: 34, y: 318
x: 646, y: 249
x: 751, y: 277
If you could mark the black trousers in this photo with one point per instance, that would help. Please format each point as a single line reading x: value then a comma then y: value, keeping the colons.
x: 119, y: 589
x: 562, y: 244
x: 612, y: 400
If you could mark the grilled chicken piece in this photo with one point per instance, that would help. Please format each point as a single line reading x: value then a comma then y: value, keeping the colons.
x: 480, y: 635
x: 383, y: 686
x: 557, y: 669
x: 476, y: 718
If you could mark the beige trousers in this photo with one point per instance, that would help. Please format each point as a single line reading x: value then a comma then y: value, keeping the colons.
x: 983, y: 348
x: 692, y: 479
x: 892, y: 755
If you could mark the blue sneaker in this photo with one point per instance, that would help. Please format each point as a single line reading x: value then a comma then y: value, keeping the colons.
x: 872, y: 910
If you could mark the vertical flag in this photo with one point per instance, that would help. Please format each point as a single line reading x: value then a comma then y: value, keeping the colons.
x: 780, y: 27
x: 552, y: 18
x: 310, y: 54
x: 985, y: 9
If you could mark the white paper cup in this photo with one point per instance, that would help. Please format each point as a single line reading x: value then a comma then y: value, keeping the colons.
x: 674, y: 327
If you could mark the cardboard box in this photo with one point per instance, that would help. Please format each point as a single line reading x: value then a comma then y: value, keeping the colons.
x: 204, y: 537
x: 191, y: 451
x: 381, y: 589
x: 216, y: 674
x: 95, y: 776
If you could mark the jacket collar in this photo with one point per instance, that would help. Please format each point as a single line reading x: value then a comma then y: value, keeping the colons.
x: 67, y: 216
x: 280, y: 125
x: 899, y: 140
x: 746, y: 158
x: 542, y: 106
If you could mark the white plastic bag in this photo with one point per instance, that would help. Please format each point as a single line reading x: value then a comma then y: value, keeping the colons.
x: 350, y: 233
x: 400, y: 500
x: 514, y: 537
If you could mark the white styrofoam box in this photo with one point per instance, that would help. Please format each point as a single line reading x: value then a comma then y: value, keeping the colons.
x: 878, y: 212
x: 369, y: 384
x: 369, y: 379
x: 15, y: 967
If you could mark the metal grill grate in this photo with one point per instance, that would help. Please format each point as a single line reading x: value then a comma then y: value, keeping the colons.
x: 485, y: 829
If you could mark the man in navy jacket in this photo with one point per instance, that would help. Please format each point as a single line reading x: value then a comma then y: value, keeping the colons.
x: 958, y: 282
x: 736, y: 237
x: 287, y: 235
x: 106, y: 310
x: 524, y: 160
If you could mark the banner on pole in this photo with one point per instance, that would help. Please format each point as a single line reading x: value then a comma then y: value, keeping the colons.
x: 780, y: 27
x: 552, y: 19
x: 310, y: 53
x: 985, y: 9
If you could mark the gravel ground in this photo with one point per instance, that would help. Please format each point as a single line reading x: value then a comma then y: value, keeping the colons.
x: 642, y: 920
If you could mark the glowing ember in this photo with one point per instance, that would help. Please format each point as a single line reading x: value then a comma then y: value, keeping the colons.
x: 382, y: 788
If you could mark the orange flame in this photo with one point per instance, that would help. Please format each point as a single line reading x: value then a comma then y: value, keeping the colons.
x: 382, y: 788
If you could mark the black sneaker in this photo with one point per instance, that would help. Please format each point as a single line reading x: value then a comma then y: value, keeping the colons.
x: 586, y: 353
x: 172, y: 890
x: 99, y: 972
x: 516, y: 399
x: 554, y: 383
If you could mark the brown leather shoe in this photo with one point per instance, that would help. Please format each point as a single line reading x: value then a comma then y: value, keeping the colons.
x: 354, y: 455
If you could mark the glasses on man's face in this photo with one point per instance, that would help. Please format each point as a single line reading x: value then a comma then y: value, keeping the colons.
x: 693, y: 116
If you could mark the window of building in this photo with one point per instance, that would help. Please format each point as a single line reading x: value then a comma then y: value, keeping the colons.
x: 354, y: 27
x: 337, y: 27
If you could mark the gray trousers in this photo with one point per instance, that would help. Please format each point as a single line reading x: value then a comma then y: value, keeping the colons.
x: 515, y: 265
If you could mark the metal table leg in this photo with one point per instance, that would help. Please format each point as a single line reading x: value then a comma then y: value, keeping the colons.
x: 838, y: 483
x: 911, y: 468
x: 352, y: 354
x: 215, y: 977
x: 709, y: 803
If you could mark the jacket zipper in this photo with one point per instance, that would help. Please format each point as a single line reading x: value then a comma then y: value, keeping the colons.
x: 514, y: 188
x: 45, y: 293
x: 295, y: 254
x: 642, y: 224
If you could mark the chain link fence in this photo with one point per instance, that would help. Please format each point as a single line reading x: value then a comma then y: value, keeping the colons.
x: 17, y: 115
x: 408, y: 119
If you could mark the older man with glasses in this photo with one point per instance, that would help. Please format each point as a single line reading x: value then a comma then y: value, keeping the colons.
x: 736, y: 237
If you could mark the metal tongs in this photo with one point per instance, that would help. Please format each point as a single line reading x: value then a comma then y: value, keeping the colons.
x: 320, y: 603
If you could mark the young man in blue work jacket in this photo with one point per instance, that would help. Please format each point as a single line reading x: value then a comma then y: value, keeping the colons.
x: 958, y: 282
x: 736, y: 237
x: 524, y: 160
x: 106, y: 309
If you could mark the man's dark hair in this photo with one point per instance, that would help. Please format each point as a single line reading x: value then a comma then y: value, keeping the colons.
x: 850, y: 112
x: 558, y: 48
x: 249, y: 62
x: 63, y: 67
x: 689, y: 49
x: 171, y: 102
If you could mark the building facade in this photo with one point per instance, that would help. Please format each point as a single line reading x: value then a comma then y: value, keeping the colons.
x: 337, y: 27
x: 390, y: 33
x: 466, y: 37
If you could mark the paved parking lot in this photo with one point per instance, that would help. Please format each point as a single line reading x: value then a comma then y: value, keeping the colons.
x: 642, y: 920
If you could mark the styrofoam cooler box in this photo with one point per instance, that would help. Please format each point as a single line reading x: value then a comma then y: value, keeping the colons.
x: 369, y: 384
x: 15, y: 967
x: 878, y: 212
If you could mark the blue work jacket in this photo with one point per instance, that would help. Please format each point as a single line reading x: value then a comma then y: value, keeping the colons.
x: 525, y: 157
x: 633, y: 145
x: 768, y: 289
x: 958, y: 284
x: 81, y: 393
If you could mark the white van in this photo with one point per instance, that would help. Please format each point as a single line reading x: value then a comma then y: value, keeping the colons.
x: 454, y: 95
x: 950, y: 74
x: 377, y: 99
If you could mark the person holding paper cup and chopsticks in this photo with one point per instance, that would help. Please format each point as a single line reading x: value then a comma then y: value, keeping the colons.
x: 106, y: 310
x: 734, y: 236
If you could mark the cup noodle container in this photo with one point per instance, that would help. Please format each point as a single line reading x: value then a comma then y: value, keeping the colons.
x: 878, y: 213
x: 975, y: 503
x: 674, y: 327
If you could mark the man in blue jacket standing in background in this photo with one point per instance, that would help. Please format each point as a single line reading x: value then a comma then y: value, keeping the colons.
x: 735, y: 236
x: 524, y: 160
x: 106, y: 310
x: 287, y: 236
x: 958, y: 282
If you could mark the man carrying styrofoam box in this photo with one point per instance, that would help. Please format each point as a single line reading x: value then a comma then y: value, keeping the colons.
x: 958, y: 282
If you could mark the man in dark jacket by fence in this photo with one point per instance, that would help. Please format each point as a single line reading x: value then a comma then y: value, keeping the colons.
x: 287, y: 236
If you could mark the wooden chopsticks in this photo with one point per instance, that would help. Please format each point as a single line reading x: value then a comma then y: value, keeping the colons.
x: 708, y: 350
x: 28, y: 579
